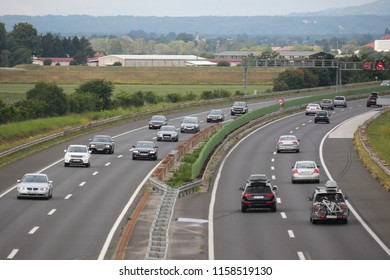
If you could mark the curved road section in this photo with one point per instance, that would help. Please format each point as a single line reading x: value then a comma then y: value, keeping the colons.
x: 288, y: 234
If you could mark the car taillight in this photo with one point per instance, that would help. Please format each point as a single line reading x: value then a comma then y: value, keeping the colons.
x: 270, y: 195
x: 295, y: 143
x: 295, y: 171
x: 316, y: 170
x: 280, y: 143
x: 247, y: 195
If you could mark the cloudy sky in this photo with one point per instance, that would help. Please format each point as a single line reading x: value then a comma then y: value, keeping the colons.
x: 170, y: 7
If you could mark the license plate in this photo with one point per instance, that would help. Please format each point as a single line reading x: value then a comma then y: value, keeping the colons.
x: 331, y: 217
x: 258, y: 197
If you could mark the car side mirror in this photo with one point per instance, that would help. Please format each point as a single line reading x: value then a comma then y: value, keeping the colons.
x: 241, y: 188
x: 133, y: 146
x: 18, y: 181
x: 309, y: 198
x: 64, y: 151
x: 274, y: 188
x: 50, y: 182
x: 90, y: 139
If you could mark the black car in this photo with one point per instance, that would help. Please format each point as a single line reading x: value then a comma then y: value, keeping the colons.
x: 157, y: 121
x: 101, y: 144
x: 258, y: 193
x: 328, y: 203
x: 372, y: 100
x: 322, y: 116
x: 239, y: 107
x: 215, y: 116
x: 145, y: 150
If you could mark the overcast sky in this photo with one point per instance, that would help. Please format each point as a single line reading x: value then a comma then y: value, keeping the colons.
x: 170, y: 7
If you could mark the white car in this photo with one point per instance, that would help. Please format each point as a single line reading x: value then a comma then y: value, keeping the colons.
x: 305, y: 170
x: 385, y: 83
x: 35, y: 185
x: 77, y: 155
x: 312, y: 108
x: 287, y: 143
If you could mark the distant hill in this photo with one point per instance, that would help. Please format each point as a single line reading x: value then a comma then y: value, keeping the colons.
x: 372, y: 18
x: 377, y: 8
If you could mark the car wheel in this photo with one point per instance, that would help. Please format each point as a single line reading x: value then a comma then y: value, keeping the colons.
x: 243, y: 209
x: 88, y: 164
x: 313, y: 221
x: 293, y: 181
x: 345, y: 221
x: 315, y: 121
x: 133, y: 158
x: 232, y: 114
x: 273, y: 208
x: 155, y: 158
x: 66, y: 164
x: 297, y: 150
x: 158, y: 140
x: 177, y: 139
x: 112, y: 151
x: 278, y: 151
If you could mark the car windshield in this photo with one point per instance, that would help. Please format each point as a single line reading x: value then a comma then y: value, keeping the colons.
x: 326, y: 101
x: 239, y: 104
x: 215, y: 112
x: 158, y: 118
x: 34, y: 179
x: 287, y: 138
x: 78, y: 149
x: 167, y: 128
x: 333, y: 197
x: 305, y: 165
x: 339, y: 98
x: 258, y: 188
x: 101, y: 139
x: 322, y: 113
x: 189, y: 120
x: 145, y: 145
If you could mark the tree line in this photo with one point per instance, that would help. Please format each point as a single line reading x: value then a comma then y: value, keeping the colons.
x: 23, y: 42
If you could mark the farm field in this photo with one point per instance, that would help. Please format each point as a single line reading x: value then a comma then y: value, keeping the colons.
x: 15, y: 82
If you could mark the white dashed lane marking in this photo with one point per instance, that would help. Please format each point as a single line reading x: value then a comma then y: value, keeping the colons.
x: 95, y: 173
x: 33, y: 230
x: 68, y: 196
x: 82, y: 184
x: 13, y: 253
x: 51, y: 212
x: 284, y: 216
x: 291, y: 233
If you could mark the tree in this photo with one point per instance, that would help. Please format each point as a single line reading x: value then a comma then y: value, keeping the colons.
x: 101, y: 88
x: 3, y: 36
x: 26, y: 36
x: 53, y: 96
x: 185, y: 37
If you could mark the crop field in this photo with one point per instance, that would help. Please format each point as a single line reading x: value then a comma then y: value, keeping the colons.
x: 15, y: 83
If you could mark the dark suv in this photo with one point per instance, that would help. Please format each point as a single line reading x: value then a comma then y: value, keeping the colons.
x: 239, y: 107
x: 258, y: 193
x: 373, y: 99
x: 328, y: 203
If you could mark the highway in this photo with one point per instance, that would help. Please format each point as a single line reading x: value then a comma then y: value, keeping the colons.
x: 80, y: 221
x: 288, y: 234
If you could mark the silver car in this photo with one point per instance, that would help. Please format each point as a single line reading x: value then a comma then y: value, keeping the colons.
x: 168, y: 133
x: 340, y: 101
x: 77, y: 155
x: 287, y: 143
x: 305, y: 170
x: 190, y: 124
x: 35, y: 185
x: 327, y: 104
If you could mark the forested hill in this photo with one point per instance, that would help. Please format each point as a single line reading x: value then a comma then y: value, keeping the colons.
x: 204, y: 25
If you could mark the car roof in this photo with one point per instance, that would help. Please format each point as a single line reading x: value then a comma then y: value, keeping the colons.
x: 158, y: 116
x: 144, y: 141
x: 190, y: 118
x: 83, y: 146
x: 258, y: 177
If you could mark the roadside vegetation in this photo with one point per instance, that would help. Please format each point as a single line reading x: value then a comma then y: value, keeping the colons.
x: 183, y: 173
x: 378, y: 136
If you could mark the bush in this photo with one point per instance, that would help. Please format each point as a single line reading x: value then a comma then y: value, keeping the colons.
x: 190, y: 96
x: 223, y: 63
x: 47, y: 62
x: 117, y: 63
x: 173, y: 97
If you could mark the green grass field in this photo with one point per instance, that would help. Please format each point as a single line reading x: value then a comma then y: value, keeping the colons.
x: 378, y: 133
